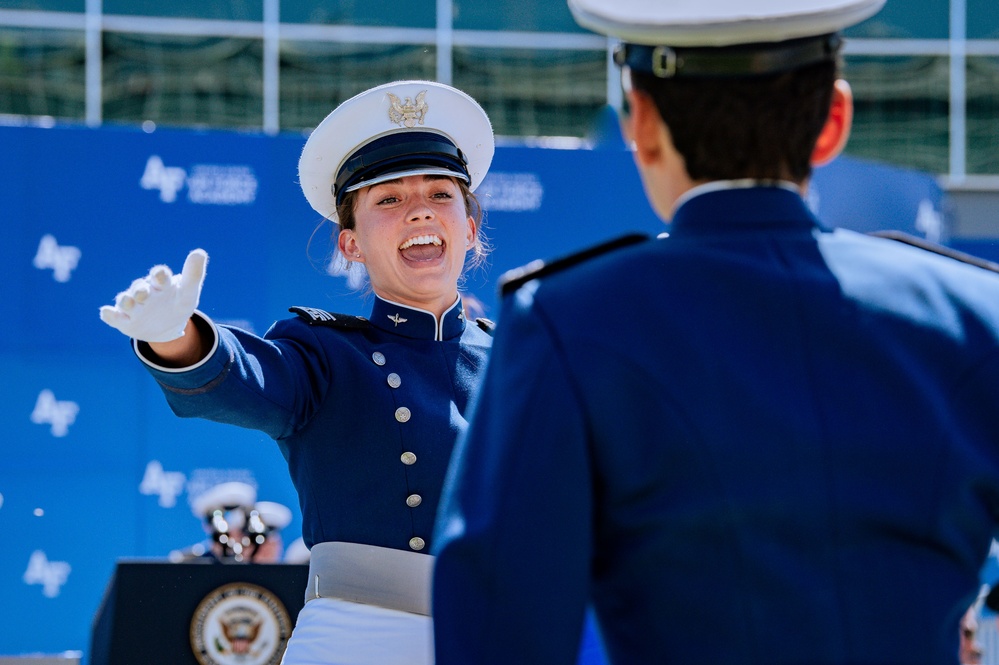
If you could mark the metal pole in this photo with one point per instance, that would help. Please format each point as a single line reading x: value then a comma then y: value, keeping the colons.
x: 92, y: 64
x: 445, y: 41
x: 958, y: 91
x: 272, y: 66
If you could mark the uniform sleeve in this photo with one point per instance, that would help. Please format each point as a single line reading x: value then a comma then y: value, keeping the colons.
x: 514, y: 530
x: 272, y: 384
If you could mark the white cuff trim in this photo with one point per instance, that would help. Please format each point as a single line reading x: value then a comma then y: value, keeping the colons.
x: 179, y: 370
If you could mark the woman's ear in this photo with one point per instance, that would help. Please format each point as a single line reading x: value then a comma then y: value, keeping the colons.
x: 471, y: 234
x: 836, y: 131
x: 347, y: 243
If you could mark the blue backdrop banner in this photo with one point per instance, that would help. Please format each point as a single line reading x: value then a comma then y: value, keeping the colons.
x: 94, y: 467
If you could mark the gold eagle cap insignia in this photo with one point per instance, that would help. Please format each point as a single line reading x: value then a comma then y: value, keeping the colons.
x: 406, y: 112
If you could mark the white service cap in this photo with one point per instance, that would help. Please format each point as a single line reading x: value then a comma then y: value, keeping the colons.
x: 394, y: 130
x: 713, y: 23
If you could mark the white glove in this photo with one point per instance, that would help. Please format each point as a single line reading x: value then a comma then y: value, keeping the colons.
x: 156, y: 308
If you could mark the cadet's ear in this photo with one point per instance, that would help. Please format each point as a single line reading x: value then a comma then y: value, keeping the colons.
x: 836, y: 131
x: 644, y: 127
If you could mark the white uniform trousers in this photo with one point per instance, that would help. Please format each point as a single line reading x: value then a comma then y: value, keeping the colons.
x: 330, y: 631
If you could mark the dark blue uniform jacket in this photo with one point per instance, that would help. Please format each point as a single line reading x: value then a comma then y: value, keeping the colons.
x: 365, y: 411
x: 754, y: 441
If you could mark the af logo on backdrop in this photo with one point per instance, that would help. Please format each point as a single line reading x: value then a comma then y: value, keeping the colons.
x: 168, y: 485
x: 51, y: 575
x: 206, y: 184
x: 57, y: 414
x: 511, y: 192
x: 62, y: 259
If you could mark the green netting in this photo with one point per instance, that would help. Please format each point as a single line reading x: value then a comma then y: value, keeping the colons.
x: 183, y: 81
x: 42, y: 73
x: 902, y: 102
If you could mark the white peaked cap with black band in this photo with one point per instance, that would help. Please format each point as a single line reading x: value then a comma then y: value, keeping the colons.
x: 391, y: 131
x: 224, y: 496
x: 722, y: 37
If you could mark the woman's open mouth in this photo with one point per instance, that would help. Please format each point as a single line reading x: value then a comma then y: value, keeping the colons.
x: 422, y: 248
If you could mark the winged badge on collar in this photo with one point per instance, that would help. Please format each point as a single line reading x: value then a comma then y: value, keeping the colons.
x: 407, y: 112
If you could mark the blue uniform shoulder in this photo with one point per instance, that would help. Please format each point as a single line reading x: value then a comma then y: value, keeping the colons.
x: 320, y: 317
x: 514, y: 279
x: 937, y: 249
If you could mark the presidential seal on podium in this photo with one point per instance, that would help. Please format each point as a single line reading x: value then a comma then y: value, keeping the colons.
x: 240, y: 624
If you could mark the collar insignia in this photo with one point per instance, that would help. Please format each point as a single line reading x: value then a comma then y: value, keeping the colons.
x: 397, y: 319
x: 407, y: 113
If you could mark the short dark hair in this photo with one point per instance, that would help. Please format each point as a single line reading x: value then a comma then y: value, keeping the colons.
x: 762, y: 127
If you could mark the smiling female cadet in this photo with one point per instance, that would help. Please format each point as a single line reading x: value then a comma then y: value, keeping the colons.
x: 365, y: 410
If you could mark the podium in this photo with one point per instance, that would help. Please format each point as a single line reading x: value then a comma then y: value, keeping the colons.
x: 197, y: 613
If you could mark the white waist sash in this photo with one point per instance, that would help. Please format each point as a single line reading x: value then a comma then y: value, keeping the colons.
x: 389, y: 578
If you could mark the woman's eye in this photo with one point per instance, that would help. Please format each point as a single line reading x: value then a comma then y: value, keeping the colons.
x: 388, y: 199
x: 443, y: 195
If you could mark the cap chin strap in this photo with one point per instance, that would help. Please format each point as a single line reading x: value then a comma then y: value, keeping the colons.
x: 742, y: 60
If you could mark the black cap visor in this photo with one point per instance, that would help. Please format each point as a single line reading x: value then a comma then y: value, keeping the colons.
x: 395, y: 155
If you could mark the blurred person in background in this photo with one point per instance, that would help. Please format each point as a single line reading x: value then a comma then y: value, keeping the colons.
x: 238, y: 528
x: 274, y: 517
x: 222, y: 512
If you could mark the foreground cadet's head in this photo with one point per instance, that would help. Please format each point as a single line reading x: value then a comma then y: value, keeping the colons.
x: 744, y: 89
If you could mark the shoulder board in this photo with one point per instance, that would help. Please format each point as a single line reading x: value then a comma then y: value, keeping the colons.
x: 320, y: 317
x: 937, y: 249
x: 486, y: 325
x: 516, y: 278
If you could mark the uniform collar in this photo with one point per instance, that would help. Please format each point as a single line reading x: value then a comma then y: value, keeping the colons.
x: 417, y: 323
x: 736, y: 205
